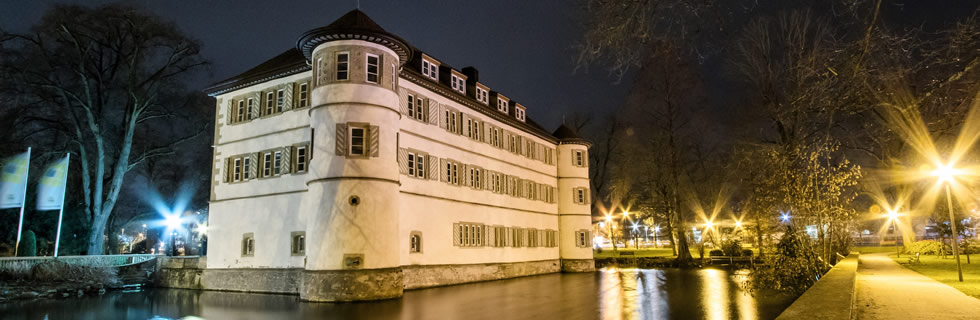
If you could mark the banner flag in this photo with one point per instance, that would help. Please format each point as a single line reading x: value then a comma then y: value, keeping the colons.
x: 51, y: 190
x: 13, y: 181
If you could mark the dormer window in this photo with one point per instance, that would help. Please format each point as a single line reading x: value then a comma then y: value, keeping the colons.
x: 458, y: 83
x: 430, y: 69
x: 482, y: 95
x: 502, y: 105
x: 519, y: 113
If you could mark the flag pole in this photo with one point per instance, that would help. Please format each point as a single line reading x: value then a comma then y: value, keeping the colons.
x: 23, y: 203
x: 57, y: 237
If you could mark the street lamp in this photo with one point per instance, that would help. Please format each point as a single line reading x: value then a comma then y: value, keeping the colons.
x: 946, y: 174
x: 893, y: 218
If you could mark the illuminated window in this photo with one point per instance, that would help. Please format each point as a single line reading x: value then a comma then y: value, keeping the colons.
x: 372, y: 68
x: 343, y: 65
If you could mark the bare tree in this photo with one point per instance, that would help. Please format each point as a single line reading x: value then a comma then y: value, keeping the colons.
x: 102, y: 74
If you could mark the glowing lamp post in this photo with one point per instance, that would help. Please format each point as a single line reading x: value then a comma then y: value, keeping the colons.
x: 893, y: 218
x: 946, y: 174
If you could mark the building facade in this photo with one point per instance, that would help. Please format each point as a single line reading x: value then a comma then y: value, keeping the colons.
x: 356, y: 166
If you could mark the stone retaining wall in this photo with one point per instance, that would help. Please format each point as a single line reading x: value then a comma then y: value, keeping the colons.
x: 425, y: 276
x: 830, y: 298
x: 191, y: 273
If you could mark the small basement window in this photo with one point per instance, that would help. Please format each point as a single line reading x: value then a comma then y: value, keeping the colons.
x: 298, y: 243
x: 248, y: 244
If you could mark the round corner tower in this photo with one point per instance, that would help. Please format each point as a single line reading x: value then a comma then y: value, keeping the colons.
x: 352, y: 197
x: 574, y: 202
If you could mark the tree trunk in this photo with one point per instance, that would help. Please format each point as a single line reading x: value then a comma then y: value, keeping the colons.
x: 758, y: 234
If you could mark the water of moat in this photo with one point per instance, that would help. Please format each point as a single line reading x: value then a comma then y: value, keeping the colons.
x: 607, y: 294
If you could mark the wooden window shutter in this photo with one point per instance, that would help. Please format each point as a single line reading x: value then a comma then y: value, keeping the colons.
x: 286, y: 162
x: 253, y: 167
x: 491, y: 236
x: 257, y: 107
x: 287, y: 96
x: 341, y: 139
x: 402, y: 161
x: 433, y: 167
x: 444, y: 117
x: 230, y: 115
x: 403, y: 102
x: 433, y: 108
x: 485, y: 179
x: 442, y: 167
x: 456, y: 241
x: 227, y: 165
x: 486, y: 132
x: 375, y: 147
x: 465, y: 127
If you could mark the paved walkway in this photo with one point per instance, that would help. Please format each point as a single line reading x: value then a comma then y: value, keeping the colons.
x: 886, y: 290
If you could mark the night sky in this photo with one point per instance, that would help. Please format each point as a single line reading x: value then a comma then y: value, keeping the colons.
x: 523, y: 49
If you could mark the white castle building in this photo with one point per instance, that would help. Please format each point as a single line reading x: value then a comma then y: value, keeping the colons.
x: 356, y: 166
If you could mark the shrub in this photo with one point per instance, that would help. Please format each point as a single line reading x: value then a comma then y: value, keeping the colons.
x: 793, y: 267
x: 924, y: 247
x: 732, y: 248
x: 716, y: 252
x: 747, y: 253
x: 29, y: 246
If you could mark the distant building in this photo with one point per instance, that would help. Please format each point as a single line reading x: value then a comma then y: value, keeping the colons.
x: 356, y: 166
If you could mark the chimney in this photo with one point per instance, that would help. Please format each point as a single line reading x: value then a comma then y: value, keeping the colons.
x: 471, y: 74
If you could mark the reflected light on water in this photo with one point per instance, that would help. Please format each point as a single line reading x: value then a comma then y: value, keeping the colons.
x: 715, y: 294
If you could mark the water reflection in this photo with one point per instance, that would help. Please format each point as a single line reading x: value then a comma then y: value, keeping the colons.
x: 608, y: 294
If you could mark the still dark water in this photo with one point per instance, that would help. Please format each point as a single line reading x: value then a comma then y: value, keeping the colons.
x: 607, y: 294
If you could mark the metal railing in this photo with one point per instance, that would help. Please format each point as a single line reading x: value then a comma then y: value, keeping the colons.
x: 114, y: 260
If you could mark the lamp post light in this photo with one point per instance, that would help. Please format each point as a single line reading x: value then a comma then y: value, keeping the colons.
x: 893, y: 218
x: 946, y: 175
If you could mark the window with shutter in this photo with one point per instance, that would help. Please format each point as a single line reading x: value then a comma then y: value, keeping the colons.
x: 287, y: 162
x: 357, y: 141
x: 433, y: 108
x: 270, y: 103
x: 374, y: 147
x: 341, y: 140
x: 403, y: 163
x: 433, y: 167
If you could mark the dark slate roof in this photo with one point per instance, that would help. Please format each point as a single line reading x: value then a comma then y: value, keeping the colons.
x: 357, y: 25
x: 289, y: 62
x: 353, y: 25
x: 566, y: 134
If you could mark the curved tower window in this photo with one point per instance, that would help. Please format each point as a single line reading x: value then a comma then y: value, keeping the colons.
x: 343, y: 65
x: 372, y: 68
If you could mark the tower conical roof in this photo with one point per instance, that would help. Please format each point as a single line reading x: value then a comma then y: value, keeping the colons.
x: 566, y: 134
x: 355, y: 25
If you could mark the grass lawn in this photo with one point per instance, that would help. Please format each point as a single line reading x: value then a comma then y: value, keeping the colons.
x: 876, y: 249
x: 650, y: 252
x: 944, y: 270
